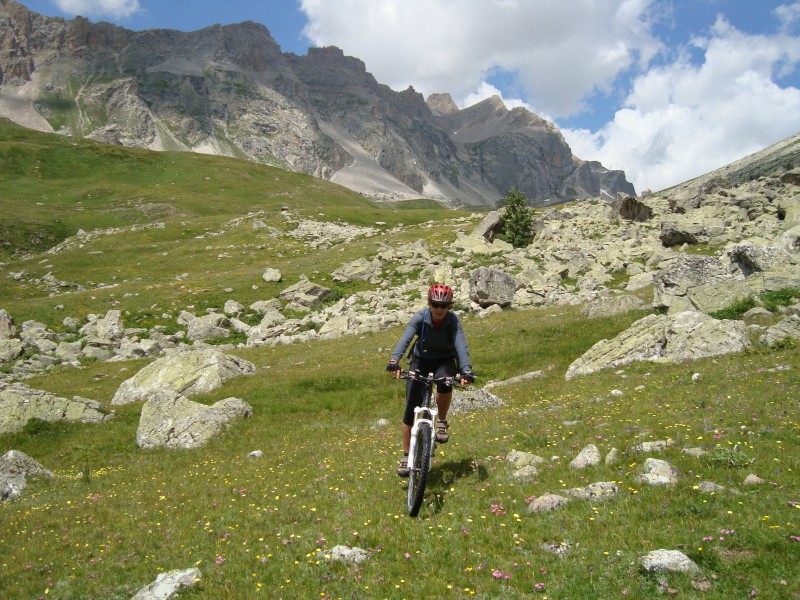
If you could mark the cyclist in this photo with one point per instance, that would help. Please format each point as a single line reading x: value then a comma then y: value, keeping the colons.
x: 440, y: 341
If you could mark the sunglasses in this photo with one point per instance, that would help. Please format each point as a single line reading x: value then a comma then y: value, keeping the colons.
x: 439, y: 305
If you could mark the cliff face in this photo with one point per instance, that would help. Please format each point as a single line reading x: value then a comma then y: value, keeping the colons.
x: 230, y: 90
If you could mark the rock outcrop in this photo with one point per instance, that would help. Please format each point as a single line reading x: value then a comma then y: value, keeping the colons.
x: 15, y: 468
x: 685, y: 336
x: 172, y: 421
x: 20, y: 403
x: 186, y: 372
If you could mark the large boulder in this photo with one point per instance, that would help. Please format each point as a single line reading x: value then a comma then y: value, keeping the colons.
x: 471, y: 244
x: 186, y: 372
x: 694, y: 228
x: 669, y: 338
x: 208, y: 327
x: 107, y: 327
x: 10, y: 348
x: 630, y: 208
x: 490, y: 286
x: 360, y: 269
x: 611, y: 304
x: 490, y: 226
x: 306, y: 294
x: 20, y: 403
x: 786, y: 329
x: 269, y: 327
x: 172, y: 421
x: 750, y: 258
x: 15, y: 468
x: 695, y: 282
x: 36, y: 337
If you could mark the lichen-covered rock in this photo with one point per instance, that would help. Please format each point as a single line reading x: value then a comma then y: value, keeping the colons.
x: 492, y: 286
x: 305, y: 293
x: 588, y: 457
x: 788, y: 328
x: 523, y: 459
x: 547, y: 503
x: 600, y: 490
x: 170, y: 420
x: 608, y: 305
x: 465, y: 401
x: 107, y: 327
x: 669, y: 560
x: 360, y: 269
x: 347, y: 554
x: 20, y: 403
x: 208, y: 327
x: 15, y: 468
x: 657, y: 472
x: 168, y: 585
x: 696, y: 282
x: 187, y: 372
x: 10, y: 348
x: 686, y: 336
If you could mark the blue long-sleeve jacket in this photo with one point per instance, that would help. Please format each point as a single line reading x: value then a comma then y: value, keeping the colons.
x: 448, y: 341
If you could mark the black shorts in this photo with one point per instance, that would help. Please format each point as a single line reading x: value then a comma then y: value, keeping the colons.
x: 442, y: 367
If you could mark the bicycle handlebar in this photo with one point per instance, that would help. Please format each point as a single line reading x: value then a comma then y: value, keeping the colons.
x: 447, y: 380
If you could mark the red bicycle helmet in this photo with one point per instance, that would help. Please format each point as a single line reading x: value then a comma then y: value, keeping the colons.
x: 440, y: 293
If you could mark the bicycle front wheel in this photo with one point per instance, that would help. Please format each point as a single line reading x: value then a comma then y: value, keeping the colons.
x: 419, y: 470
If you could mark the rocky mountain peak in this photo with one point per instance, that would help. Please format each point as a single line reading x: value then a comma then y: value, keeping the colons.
x: 442, y: 104
x: 230, y: 90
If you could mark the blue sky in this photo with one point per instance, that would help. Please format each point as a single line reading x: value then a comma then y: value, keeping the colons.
x: 664, y: 89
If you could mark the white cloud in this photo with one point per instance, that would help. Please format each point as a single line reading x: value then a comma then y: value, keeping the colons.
x: 117, y: 9
x: 682, y: 120
x: 558, y: 53
x: 676, y: 120
x: 788, y: 15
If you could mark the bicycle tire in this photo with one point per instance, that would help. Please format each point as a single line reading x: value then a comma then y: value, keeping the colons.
x: 419, y: 470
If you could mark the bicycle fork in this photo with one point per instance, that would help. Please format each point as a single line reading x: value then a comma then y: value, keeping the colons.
x: 420, y: 416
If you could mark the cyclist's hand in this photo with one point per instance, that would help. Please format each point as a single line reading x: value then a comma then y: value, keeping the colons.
x: 394, y: 368
x: 467, y: 377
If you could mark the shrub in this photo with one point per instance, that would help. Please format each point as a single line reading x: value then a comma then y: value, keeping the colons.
x: 773, y: 299
x: 735, y: 310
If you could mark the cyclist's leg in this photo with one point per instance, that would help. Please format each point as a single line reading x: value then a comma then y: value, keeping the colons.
x: 444, y: 397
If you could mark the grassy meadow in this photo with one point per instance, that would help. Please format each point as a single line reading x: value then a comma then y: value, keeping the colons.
x: 116, y: 516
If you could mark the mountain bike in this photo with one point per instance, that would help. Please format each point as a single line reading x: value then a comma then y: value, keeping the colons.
x: 420, y: 452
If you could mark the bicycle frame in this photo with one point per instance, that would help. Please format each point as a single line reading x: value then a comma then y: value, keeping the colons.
x: 426, y: 413
x: 425, y: 421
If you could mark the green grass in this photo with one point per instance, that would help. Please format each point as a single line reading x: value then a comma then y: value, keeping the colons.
x: 327, y: 479
x: 52, y: 186
x: 116, y: 516
x: 770, y: 300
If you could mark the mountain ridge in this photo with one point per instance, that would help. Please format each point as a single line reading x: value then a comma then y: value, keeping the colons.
x: 229, y: 90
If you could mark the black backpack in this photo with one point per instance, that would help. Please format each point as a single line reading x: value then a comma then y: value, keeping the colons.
x: 450, y: 324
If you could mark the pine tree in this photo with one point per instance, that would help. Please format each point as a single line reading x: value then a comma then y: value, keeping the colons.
x: 517, y: 220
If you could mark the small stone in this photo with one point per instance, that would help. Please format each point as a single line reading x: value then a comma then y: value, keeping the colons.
x: 753, y: 479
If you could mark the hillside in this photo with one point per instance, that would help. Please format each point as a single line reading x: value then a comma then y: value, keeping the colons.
x: 230, y: 91
x: 115, y: 258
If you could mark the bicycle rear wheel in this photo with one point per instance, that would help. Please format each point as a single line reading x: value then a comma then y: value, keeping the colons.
x: 419, y: 470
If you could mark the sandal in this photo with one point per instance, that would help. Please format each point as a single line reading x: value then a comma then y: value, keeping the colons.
x: 403, y: 470
x: 441, y: 432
